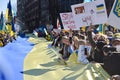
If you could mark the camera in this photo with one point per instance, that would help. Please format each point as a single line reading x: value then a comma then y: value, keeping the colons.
x: 109, y: 49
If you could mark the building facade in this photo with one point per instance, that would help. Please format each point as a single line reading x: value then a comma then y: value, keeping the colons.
x: 20, y: 11
x: 60, y: 6
x: 33, y: 13
x: 36, y: 12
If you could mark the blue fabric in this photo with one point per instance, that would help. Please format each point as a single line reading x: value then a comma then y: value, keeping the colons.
x: 9, y: 8
x: 71, y: 50
x: 41, y: 28
x: 12, y: 59
x: 13, y: 28
x: 95, y: 31
x: 76, y: 52
x: 110, y: 39
x: 1, y: 21
x: 101, y: 28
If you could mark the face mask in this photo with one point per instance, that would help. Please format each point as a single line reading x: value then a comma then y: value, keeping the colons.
x: 118, y: 48
x: 100, y: 44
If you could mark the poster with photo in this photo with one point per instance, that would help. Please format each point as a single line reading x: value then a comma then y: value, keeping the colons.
x: 89, y: 13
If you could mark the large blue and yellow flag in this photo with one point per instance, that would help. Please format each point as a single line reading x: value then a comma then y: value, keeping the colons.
x: 9, y: 17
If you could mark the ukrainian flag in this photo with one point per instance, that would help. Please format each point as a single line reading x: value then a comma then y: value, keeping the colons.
x: 100, y: 7
x: 1, y: 21
x: 9, y: 17
x: 101, y: 29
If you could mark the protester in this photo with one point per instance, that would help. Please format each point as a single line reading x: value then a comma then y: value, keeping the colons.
x: 112, y: 56
x: 97, y: 54
x: 115, y: 77
x: 17, y: 28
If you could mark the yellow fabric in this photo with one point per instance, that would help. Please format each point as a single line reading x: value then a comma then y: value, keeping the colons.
x: 2, y: 32
x: 48, y: 37
x: 100, y: 8
x: 1, y: 44
x: 117, y: 35
x: 83, y: 28
x: 73, y: 58
x: 9, y: 29
x: 11, y: 33
x: 6, y: 16
x: 42, y: 64
x: 65, y: 31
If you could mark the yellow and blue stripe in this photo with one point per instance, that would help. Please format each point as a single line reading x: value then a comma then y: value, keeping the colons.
x: 100, y: 7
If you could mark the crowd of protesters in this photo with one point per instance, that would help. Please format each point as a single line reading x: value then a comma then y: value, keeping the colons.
x: 5, y: 38
x: 91, y: 46
x: 8, y: 35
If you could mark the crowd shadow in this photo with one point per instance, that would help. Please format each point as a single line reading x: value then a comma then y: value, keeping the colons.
x: 49, y: 52
x: 36, y: 72
x: 75, y: 69
x: 53, y: 56
x: 49, y: 64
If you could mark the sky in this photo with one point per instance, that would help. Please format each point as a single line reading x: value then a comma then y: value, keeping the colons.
x: 3, y: 4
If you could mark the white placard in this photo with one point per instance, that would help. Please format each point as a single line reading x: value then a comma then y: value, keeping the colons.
x: 114, y: 18
x: 81, y: 53
x: 57, y: 30
x: 67, y: 21
x: 90, y: 13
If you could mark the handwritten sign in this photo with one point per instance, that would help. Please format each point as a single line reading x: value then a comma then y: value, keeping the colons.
x: 67, y: 21
x: 89, y: 13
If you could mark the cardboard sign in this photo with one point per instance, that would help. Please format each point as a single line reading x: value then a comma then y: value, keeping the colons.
x: 90, y: 13
x: 114, y: 17
x: 67, y: 21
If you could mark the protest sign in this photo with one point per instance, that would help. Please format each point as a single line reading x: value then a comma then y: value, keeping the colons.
x: 89, y: 13
x: 67, y: 21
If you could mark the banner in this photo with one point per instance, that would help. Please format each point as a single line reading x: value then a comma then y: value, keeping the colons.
x: 67, y: 21
x: 114, y: 18
x: 89, y: 13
